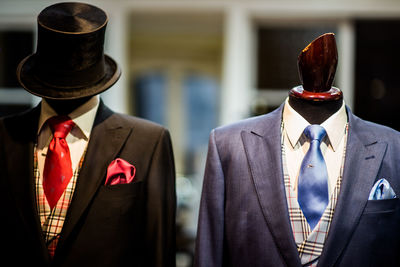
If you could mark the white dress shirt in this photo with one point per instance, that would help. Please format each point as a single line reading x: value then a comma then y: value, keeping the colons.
x: 78, y: 137
x: 296, y: 144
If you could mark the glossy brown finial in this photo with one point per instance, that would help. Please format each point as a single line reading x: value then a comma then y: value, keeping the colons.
x: 317, y: 67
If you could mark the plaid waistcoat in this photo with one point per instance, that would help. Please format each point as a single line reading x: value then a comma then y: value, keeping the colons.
x: 310, y: 244
x: 52, y: 221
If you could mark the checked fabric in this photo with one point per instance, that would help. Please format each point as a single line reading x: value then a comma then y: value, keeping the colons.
x: 52, y: 220
x: 310, y: 242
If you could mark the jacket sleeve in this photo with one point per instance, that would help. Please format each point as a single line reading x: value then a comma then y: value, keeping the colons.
x: 161, y: 205
x: 210, y: 233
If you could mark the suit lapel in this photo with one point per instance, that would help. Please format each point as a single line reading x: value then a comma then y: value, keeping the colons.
x: 363, y: 159
x: 20, y: 151
x: 263, y: 151
x: 106, y: 140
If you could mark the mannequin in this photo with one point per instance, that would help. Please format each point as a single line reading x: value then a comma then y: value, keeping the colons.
x: 115, y: 172
x: 316, y: 100
x: 65, y: 107
x: 245, y: 213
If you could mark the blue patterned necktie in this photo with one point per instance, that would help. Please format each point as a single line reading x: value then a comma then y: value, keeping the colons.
x: 313, y: 194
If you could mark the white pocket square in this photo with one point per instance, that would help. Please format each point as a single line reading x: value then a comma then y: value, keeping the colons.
x: 381, y: 190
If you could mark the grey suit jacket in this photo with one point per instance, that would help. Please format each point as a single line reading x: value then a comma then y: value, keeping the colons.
x: 244, y: 221
x: 121, y: 225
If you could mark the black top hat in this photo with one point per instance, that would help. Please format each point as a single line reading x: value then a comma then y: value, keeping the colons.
x: 69, y: 62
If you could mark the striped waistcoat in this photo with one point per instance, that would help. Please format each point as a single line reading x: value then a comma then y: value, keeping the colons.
x: 310, y: 244
x: 52, y: 221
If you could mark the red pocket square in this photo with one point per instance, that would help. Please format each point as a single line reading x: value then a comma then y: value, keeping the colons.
x: 120, y: 172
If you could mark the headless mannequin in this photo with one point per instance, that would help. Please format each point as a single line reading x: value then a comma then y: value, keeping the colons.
x: 315, y: 112
x: 317, y: 100
x: 65, y: 107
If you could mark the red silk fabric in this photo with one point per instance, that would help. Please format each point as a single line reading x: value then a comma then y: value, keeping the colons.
x: 120, y: 172
x: 57, y: 168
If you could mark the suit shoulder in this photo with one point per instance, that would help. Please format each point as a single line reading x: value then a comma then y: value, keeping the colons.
x: 369, y: 132
x: 261, y: 122
x: 20, y: 116
x: 262, y: 125
x: 139, y: 124
x: 239, y: 126
x: 19, y: 124
x: 375, y: 130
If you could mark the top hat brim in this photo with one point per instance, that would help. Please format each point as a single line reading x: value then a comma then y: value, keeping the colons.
x: 31, y: 83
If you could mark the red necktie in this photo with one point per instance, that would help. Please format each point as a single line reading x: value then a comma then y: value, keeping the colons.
x: 57, y: 167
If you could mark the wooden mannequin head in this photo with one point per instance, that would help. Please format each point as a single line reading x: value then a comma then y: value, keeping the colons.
x: 316, y: 99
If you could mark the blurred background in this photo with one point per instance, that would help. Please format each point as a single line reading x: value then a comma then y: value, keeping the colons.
x: 193, y: 65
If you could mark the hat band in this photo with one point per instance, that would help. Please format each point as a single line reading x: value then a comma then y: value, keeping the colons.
x: 71, y: 79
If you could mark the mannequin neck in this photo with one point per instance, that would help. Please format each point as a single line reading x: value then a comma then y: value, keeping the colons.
x: 315, y: 112
x: 65, y: 107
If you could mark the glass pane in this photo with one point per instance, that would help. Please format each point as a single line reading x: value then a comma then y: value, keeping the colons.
x: 175, y: 68
x: 6, y: 109
x: 151, y: 96
x: 278, y: 49
x: 201, y: 101
x: 14, y: 46
x: 377, y: 77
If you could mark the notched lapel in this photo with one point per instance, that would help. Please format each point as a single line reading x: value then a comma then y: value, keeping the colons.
x: 265, y: 162
x: 106, y: 140
x: 362, y: 163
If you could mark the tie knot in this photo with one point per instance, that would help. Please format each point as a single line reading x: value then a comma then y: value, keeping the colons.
x: 60, y: 126
x: 315, y: 132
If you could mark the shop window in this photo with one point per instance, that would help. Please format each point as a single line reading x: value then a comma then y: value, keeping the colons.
x: 278, y: 48
x: 14, y: 46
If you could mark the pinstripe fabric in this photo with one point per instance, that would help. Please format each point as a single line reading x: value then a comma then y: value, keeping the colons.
x: 309, y: 244
x: 52, y: 221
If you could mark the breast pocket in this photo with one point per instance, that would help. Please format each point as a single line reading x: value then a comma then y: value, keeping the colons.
x: 381, y: 206
x: 377, y: 234
x: 120, y: 191
x: 115, y: 216
x: 115, y: 201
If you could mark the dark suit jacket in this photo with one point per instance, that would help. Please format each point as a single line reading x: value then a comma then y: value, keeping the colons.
x: 244, y: 219
x: 122, y: 225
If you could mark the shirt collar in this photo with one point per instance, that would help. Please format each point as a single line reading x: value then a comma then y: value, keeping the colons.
x: 295, y: 124
x: 335, y: 126
x: 83, y: 116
